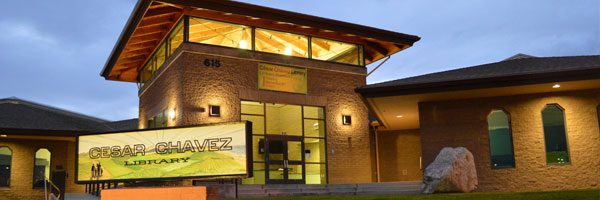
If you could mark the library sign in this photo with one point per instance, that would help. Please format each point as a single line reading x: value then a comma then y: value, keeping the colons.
x: 216, y: 150
x: 280, y: 78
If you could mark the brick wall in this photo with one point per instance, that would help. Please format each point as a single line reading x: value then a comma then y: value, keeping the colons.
x: 399, y: 155
x: 463, y: 123
x: 187, y: 85
x: 23, y: 153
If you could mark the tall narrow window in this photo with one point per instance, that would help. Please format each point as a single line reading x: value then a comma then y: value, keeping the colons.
x: 501, y: 147
x: 598, y: 111
x: 41, y: 168
x: 555, y: 134
x: 5, y: 166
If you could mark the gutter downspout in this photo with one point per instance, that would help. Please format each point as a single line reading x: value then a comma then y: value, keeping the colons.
x: 375, y: 126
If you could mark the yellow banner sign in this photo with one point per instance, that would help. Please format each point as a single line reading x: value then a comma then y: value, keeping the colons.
x: 280, y: 78
x: 218, y: 150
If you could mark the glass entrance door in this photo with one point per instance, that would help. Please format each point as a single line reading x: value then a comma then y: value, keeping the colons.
x: 285, y: 159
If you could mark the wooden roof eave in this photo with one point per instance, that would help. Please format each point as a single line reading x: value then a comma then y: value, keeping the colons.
x: 134, y: 19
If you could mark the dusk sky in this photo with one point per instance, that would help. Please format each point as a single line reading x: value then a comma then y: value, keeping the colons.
x: 53, y: 51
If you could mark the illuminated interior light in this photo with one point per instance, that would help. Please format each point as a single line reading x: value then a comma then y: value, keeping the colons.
x: 288, y: 51
x: 556, y: 86
x: 3, y: 135
x: 399, y: 116
x: 243, y: 44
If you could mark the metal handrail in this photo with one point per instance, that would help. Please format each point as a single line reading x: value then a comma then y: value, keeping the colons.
x: 55, y: 187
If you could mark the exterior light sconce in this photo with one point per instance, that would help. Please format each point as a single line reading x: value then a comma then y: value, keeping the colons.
x: 172, y: 114
x: 346, y: 119
x: 214, y: 111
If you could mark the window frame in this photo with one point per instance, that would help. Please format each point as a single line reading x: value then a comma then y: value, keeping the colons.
x: 510, y: 132
x: 10, y: 170
x: 564, y: 115
x: 264, y: 135
x: 163, y: 111
x: 49, y: 166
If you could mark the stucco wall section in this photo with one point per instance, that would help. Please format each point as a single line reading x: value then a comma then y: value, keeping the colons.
x: 23, y: 153
x: 399, y: 155
x: 463, y: 123
x: 193, y: 86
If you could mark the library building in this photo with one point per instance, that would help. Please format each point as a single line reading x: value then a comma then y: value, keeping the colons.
x: 255, y: 101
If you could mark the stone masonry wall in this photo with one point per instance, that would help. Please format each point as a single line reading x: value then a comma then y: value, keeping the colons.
x: 463, y: 123
x: 188, y: 85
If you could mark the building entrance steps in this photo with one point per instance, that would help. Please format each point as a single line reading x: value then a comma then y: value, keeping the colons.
x: 292, y: 190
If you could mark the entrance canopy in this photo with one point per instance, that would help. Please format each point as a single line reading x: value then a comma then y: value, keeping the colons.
x: 151, y: 22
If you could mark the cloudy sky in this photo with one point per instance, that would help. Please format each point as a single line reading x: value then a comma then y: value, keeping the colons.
x: 53, y: 51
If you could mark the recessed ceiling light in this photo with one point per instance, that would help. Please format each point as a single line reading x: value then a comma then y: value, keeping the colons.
x: 556, y: 86
x: 399, y: 116
x: 3, y: 135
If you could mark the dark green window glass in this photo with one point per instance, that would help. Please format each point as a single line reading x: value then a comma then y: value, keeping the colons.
x: 501, y: 148
x: 598, y: 111
x: 159, y: 120
x: 5, y: 166
x: 555, y: 134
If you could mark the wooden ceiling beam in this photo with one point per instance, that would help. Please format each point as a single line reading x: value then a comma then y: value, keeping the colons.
x: 150, y: 30
x: 156, y: 21
x: 158, y: 12
x: 122, y: 61
x: 378, y: 47
x: 139, y: 46
x: 127, y: 54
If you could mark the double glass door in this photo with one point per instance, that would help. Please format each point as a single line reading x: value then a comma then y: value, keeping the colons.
x: 284, y: 159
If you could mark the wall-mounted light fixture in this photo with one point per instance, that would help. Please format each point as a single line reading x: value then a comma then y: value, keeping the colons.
x: 346, y: 119
x: 214, y: 111
x: 172, y: 114
x: 556, y: 86
x: 3, y: 135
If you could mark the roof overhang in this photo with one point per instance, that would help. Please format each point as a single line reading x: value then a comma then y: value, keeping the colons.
x: 151, y: 21
x: 388, y: 103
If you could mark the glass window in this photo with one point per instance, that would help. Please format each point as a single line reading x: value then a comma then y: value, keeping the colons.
x: 501, y: 149
x: 258, y: 123
x: 253, y: 108
x: 281, y: 43
x: 5, y: 166
x: 220, y: 33
x: 330, y: 50
x: 314, y: 112
x: 41, y: 169
x: 176, y: 38
x: 159, y: 120
x: 316, y: 174
x: 555, y: 135
x: 598, y: 111
x: 147, y: 71
x: 160, y: 56
x: 314, y: 150
x: 284, y: 119
x: 314, y: 128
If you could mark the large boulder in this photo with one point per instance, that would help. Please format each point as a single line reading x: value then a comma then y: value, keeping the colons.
x: 453, y: 170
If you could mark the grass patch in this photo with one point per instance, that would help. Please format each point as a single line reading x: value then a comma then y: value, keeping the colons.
x: 591, y: 194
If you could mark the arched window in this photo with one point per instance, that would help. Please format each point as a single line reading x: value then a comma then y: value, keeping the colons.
x: 501, y: 146
x: 41, y: 168
x: 5, y: 162
x: 598, y: 111
x: 555, y: 134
